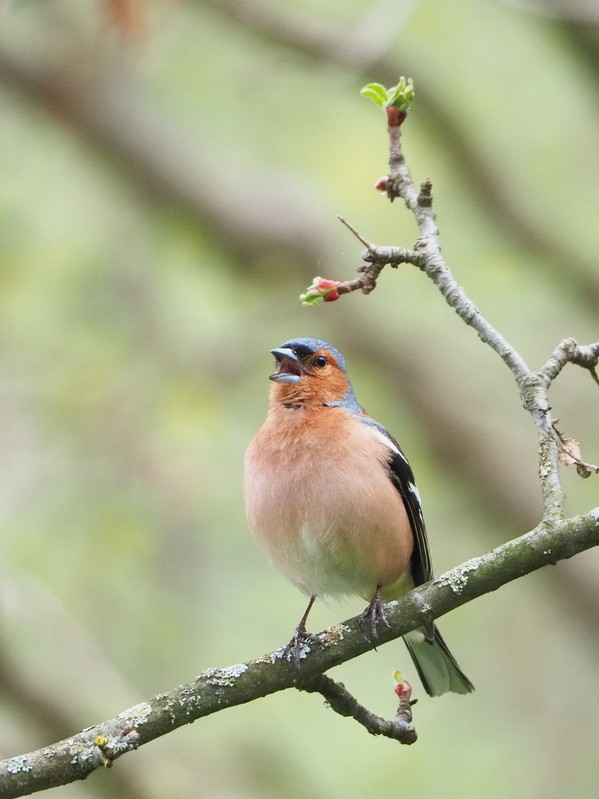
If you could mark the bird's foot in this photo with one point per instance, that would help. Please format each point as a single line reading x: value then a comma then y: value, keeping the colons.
x: 375, y: 614
x: 300, y: 645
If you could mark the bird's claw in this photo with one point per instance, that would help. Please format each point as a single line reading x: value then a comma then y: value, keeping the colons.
x: 299, y: 645
x: 374, y: 614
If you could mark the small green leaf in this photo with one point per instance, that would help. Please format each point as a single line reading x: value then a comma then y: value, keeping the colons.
x: 311, y: 299
x: 402, y: 95
x: 376, y: 92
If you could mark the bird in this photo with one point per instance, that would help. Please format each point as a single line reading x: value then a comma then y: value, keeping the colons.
x: 331, y: 499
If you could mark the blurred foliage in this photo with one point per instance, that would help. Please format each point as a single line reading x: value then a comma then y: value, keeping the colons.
x: 171, y: 175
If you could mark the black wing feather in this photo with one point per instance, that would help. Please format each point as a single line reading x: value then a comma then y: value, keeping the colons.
x: 402, y: 477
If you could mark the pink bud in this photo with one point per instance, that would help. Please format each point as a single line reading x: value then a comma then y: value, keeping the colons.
x: 323, y: 284
x: 322, y: 289
x: 381, y: 184
x: 404, y: 690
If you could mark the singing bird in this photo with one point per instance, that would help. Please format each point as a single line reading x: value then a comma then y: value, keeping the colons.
x: 331, y: 498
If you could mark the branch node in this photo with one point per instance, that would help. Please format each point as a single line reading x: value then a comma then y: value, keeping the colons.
x: 425, y: 197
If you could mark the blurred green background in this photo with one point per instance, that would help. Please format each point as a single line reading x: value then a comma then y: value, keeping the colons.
x: 170, y: 176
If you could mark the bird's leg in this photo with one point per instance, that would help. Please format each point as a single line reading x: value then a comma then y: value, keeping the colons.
x: 300, y: 637
x: 375, y: 613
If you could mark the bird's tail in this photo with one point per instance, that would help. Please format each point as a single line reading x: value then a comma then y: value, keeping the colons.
x: 436, y: 666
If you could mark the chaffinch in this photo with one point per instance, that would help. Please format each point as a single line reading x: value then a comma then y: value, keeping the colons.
x: 331, y: 499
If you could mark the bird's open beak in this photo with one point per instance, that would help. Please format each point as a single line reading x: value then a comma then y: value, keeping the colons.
x: 289, y: 368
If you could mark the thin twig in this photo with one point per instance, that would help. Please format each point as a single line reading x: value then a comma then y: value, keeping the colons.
x: 341, y: 701
x: 360, y: 238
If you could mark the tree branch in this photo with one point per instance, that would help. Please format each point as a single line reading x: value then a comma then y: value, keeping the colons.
x: 218, y: 688
x: 341, y: 701
x: 554, y: 448
x: 567, y: 351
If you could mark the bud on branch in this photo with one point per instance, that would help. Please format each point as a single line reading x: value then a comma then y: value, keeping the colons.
x: 321, y: 290
x: 396, y: 101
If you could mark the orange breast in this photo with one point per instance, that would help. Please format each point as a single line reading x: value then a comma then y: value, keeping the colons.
x: 321, y: 504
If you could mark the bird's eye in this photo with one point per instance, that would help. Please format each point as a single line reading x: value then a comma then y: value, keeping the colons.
x: 320, y: 361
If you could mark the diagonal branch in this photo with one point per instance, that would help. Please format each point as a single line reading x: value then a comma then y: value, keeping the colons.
x: 219, y: 688
x: 554, y: 448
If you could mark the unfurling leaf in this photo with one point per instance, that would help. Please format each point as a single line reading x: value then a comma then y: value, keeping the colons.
x: 402, y: 95
x: 376, y: 92
x: 396, y: 101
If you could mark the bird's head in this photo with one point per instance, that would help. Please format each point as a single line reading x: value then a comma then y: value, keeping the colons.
x: 310, y: 371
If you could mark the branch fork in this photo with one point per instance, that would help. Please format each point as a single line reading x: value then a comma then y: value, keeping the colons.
x: 426, y: 255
